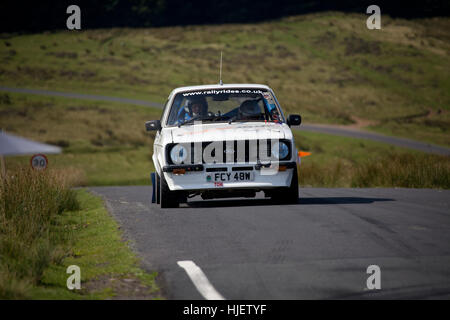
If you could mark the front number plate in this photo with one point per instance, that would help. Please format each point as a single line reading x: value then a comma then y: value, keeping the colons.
x: 232, y: 176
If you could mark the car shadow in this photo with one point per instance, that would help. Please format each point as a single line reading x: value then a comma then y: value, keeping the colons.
x: 340, y: 200
x: 266, y: 202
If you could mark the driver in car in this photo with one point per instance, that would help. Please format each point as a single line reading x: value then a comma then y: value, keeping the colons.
x: 195, y: 107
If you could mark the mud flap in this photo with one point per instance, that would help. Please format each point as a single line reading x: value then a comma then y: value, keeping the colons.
x: 153, y: 178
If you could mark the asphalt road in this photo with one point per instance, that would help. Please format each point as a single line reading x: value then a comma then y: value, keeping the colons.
x: 319, y: 248
x: 329, y: 129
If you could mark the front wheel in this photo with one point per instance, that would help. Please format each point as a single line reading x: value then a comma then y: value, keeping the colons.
x: 158, y: 189
x: 287, y: 195
x: 168, y: 198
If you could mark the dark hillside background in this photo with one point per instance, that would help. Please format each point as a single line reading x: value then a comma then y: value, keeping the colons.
x: 36, y: 16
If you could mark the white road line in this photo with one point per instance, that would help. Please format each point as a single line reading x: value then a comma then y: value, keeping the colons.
x: 200, y: 280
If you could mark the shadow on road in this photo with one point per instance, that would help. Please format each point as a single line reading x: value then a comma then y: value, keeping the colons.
x: 341, y: 200
x: 266, y: 202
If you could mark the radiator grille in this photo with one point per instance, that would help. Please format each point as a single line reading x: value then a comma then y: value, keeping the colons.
x: 235, y: 151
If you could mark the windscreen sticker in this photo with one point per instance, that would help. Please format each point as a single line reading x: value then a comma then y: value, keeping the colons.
x: 270, y: 103
x: 268, y: 97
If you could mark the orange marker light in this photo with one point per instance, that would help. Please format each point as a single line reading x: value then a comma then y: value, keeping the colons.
x: 303, y: 154
x: 179, y: 171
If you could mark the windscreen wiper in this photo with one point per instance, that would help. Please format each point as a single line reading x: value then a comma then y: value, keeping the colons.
x: 232, y: 119
x: 189, y: 121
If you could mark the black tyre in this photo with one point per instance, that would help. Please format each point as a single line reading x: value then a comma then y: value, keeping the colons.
x: 168, y: 198
x: 158, y: 190
x: 287, y: 195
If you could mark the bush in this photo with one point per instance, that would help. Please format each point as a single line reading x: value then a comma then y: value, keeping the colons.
x: 30, y: 201
x: 324, y: 175
x: 404, y: 170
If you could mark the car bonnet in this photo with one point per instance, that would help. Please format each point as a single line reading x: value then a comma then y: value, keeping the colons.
x: 226, y: 132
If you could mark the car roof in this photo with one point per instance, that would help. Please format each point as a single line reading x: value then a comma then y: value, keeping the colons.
x: 219, y: 86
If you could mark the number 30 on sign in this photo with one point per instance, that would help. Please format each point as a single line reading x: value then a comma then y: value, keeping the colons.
x: 39, y: 162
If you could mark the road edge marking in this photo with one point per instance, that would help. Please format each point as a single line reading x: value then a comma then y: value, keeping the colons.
x: 200, y: 280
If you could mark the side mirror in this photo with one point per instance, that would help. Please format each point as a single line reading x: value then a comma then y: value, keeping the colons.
x: 153, y: 125
x: 294, y: 120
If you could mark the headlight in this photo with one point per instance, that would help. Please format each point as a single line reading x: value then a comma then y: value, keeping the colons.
x: 280, y: 150
x: 178, y: 154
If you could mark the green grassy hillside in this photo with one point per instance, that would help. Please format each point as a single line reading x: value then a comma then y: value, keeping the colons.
x: 329, y: 67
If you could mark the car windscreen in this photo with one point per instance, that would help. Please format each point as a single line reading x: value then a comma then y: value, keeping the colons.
x: 224, y: 105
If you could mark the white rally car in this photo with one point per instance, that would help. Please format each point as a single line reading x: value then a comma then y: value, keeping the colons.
x: 220, y: 141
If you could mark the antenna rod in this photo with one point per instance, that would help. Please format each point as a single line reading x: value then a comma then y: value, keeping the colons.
x: 220, y: 73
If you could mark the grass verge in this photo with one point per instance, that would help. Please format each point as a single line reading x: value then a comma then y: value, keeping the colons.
x: 46, y: 227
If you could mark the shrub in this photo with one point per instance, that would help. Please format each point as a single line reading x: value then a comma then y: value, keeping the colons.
x: 30, y: 201
x: 404, y: 170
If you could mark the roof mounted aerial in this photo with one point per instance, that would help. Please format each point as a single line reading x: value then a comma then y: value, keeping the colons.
x: 220, y: 71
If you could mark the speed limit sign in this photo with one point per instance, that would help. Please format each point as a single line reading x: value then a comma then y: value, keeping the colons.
x: 39, y: 162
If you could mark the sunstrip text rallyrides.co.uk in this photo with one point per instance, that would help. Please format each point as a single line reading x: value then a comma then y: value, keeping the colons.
x: 195, y: 93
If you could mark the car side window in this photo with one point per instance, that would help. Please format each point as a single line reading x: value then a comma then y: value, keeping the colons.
x: 175, y: 108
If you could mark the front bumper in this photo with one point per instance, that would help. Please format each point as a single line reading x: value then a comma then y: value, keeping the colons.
x: 194, y: 177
